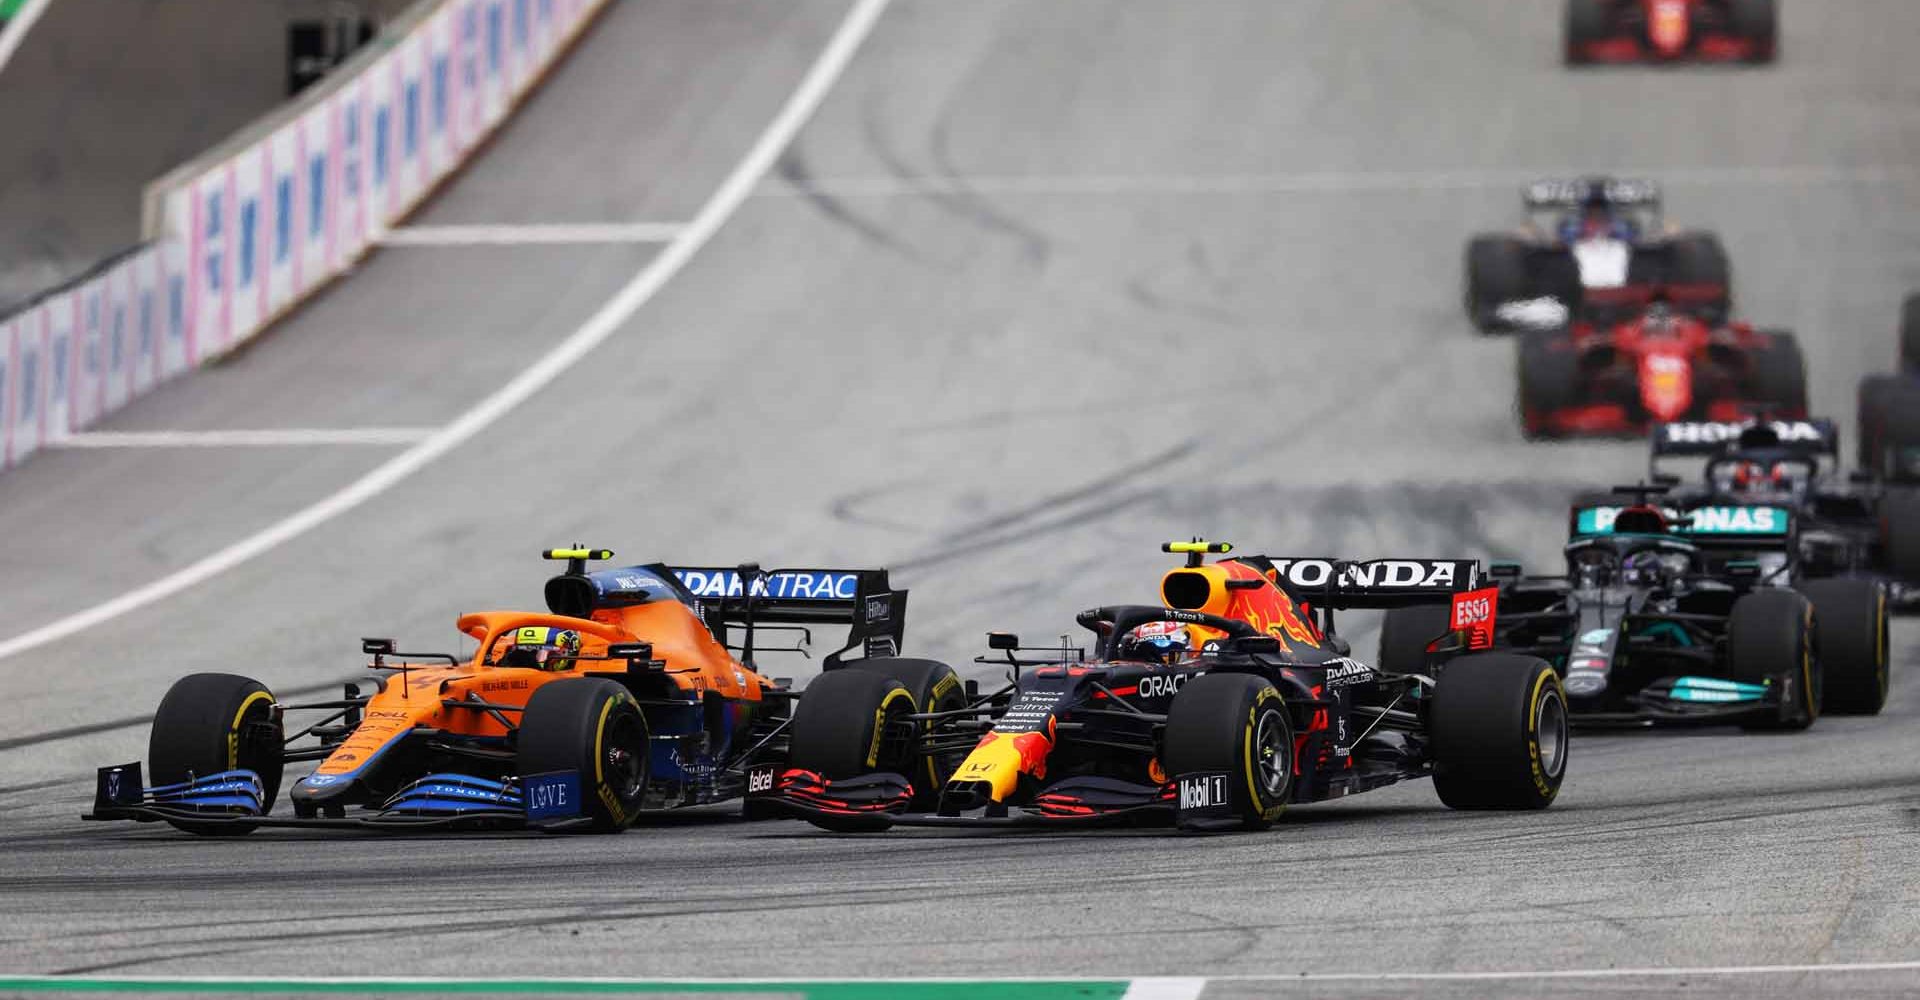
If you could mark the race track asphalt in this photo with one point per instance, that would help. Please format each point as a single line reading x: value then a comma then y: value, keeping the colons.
x: 1038, y: 287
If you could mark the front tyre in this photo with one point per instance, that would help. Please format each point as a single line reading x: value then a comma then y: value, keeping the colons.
x: 592, y: 727
x: 1851, y: 641
x: 1236, y: 724
x: 854, y: 722
x: 1770, y: 642
x: 1500, y: 735
x: 209, y: 723
x: 935, y: 688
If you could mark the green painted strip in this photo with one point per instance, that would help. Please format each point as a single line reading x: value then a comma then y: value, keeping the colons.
x: 867, y: 989
x: 10, y: 8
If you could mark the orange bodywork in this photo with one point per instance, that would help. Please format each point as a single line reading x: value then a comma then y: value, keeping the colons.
x: 415, y: 697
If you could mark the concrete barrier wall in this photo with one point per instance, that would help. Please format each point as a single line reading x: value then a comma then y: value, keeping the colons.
x: 245, y: 232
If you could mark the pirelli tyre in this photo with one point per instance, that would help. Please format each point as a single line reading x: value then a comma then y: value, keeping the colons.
x: 1850, y: 639
x: 1549, y: 379
x: 209, y: 723
x: 935, y: 688
x: 1910, y: 333
x: 1586, y: 24
x: 1496, y: 271
x: 1779, y: 375
x: 1405, y: 634
x: 1698, y: 260
x: 1236, y: 724
x: 1770, y: 642
x: 593, y: 727
x: 1499, y: 730
x: 1872, y: 399
x: 853, y: 722
x: 1757, y: 21
x: 1900, y: 532
x: 1899, y: 432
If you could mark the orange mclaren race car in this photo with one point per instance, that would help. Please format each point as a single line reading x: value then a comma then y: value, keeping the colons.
x: 1218, y: 707
x: 638, y: 690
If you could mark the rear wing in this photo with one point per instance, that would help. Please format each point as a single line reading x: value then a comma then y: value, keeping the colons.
x: 1702, y: 437
x: 1744, y: 526
x: 746, y: 597
x: 1376, y: 584
x: 1574, y: 193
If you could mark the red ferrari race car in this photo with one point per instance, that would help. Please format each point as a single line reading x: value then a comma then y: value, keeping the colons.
x: 1611, y: 375
x: 1625, y: 31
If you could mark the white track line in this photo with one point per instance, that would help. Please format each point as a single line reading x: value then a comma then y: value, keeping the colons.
x: 245, y: 438
x: 534, y: 377
x: 17, y: 28
x: 1165, y: 988
x: 533, y: 235
x: 1668, y: 972
x: 1329, y: 182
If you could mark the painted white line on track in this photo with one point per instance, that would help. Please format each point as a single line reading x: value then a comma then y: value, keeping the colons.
x: 535, y: 376
x: 268, y: 438
x: 1324, y: 182
x: 561, y: 234
x: 1165, y: 988
x: 18, y: 26
x: 1656, y: 972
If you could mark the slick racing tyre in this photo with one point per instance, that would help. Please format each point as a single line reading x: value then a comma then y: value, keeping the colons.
x: 1850, y: 638
x: 1900, y: 532
x: 1910, y: 333
x: 1770, y: 639
x: 1757, y: 21
x: 594, y: 728
x: 1496, y: 274
x: 1780, y: 375
x: 1586, y: 24
x: 1237, y: 724
x: 1870, y: 427
x: 1549, y: 380
x: 935, y: 688
x: 853, y: 722
x: 1898, y: 439
x: 209, y: 723
x: 1500, y: 734
x: 1699, y: 259
x: 1405, y: 634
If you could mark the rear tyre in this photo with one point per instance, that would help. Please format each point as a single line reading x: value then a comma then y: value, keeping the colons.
x: 1870, y: 428
x: 853, y: 722
x: 1758, y: 22
x: 1496, y: 274
x: 1770, y: 637
x: 1586, y: 23
x: 1699, y: 259
x: 1900, y: 533
x: 1236, y: 723
x: 1899, y: 437
x: 1500, y: 735
x: 1405, y: 634
x: 209, y: 723
x: 1549, y: 379
x: 1851, y: 642
x: 1910, y: 333
x: 1780, y: 375
x: 592, y: 727
x: 935, y: 688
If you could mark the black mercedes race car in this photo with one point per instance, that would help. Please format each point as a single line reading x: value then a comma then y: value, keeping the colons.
x: 1593, y: 243
x: 1857, y: 527
x: 1668, y: 616
x: 1218, y: 707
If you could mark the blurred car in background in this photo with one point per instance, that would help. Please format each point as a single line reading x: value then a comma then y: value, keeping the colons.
x: 1623, y: 31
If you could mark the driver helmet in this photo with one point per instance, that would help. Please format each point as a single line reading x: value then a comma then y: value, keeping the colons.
x: 1760, y: 477
x: 1155, y: 642
x: 542, y: 648
x: 1641, y: 519
x: 1652, y: 566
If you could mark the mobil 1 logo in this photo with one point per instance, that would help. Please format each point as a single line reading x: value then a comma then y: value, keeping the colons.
x: 1201, y: 797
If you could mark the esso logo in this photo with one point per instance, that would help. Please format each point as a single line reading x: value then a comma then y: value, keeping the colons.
x: 1472, y: 612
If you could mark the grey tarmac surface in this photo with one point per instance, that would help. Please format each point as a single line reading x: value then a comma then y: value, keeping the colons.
x: 1040, y: 286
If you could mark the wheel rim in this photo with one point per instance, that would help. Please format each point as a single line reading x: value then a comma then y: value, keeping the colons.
x: 1270, y: 754
x: 626, y: 762
x: 898, y: 737
x: 1550, y: 729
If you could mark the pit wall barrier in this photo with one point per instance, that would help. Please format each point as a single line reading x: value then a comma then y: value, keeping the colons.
x: 239, y: 236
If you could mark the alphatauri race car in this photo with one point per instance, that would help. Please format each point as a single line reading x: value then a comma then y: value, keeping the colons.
x: 1859, y: 527
x: 1231, y: 699
x: 1594, y: 243
x: 1666, y: 616
x: 1660, y: 364
x: 1617, y: 31
x: 626, y: 696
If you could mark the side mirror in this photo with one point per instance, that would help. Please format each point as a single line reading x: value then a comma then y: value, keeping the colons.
x: 1504, y: 570
x: 1257, y: 644
x: 1002, y: 640
x: 1743, y: 569
x: 630, y: 651
x: 1665, y: 479
x: 377, y: 647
